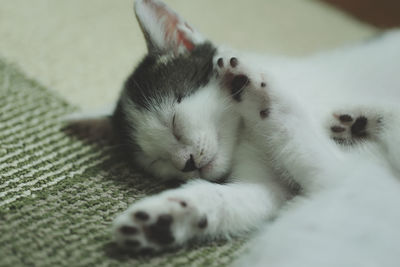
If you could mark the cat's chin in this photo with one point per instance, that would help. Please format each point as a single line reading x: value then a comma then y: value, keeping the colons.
x: 208, y: 169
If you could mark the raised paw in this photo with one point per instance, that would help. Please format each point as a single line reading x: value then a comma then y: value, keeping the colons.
x: 242, y: 81
x: 232, y: 76
x: 158, y: 223
x: 349, y: 128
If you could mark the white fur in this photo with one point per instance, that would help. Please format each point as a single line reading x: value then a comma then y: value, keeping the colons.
x: 205, y: 127
x: 352, y: 224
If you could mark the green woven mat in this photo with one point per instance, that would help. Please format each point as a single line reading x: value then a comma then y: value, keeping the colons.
x: 59, y: 195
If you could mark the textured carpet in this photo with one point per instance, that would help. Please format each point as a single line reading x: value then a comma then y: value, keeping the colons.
x: 59, y: 195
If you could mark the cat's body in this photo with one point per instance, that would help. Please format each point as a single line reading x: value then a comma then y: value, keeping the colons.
x: 349, y: 215
x: 262, y: 124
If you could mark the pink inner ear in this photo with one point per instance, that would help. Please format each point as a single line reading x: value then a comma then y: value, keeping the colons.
x: 172, y: 33
x: 182, y: 39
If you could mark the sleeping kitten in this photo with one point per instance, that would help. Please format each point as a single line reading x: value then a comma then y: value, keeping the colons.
x: 198, y: 112
x: 177, y: 123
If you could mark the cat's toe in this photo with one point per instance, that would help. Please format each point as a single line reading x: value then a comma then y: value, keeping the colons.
x: 341, y: 134
x: 129, y: 231
x: 220, y: 62
x: 233, y: 62
x: 224, y: 64
x: 231, y: 76
x: 345, y: 118
x: 338, y: 129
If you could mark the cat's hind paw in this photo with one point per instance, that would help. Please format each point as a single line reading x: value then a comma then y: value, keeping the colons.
x: 351, y: 127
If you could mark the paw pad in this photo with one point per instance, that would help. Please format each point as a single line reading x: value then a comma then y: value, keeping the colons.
x: 141, y: 215
x: 243, y: 81
x: 348, y: 129
x: 160, y: 232
x: 359, y: 127
x: 264, y: 113
x: 345, y: 118
x: 203, y: 223
x: 234, y: 62
x: 156, y: 224
x: 232, y: 78
x: 131, y: 243
x: 128, y: 230
x: 220, y: 62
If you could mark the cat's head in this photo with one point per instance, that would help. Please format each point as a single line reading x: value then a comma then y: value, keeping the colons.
x: 171, y: 113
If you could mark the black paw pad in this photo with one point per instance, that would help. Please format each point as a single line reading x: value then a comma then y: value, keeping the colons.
x: 220, y: 62
x: 132, y: 243
x: 264, y: 113
x: 160, y: 232
x: 141, y: 216
x: 164, y: 220
x: 147, y: 251
x: 128, y: 230
x: 345, y: 118
x: 234, y: 62
x: 203, y: 223
x: 358, y: 129
x: 237, y: 84
x: 338, y: 129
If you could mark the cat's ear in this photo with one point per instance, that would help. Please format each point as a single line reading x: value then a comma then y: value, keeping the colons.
x: 165, y: 31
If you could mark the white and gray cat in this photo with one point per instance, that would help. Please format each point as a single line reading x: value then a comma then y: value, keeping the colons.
x: 328, y: 123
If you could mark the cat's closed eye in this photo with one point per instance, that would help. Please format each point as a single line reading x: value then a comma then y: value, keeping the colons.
x: 174, y: 129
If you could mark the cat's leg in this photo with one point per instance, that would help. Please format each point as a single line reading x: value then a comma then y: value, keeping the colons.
x: 198, y: 210
x: 352, y: 126
x: 282, y: 126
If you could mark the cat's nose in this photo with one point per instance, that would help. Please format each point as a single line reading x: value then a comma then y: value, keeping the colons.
x: 190, y: 165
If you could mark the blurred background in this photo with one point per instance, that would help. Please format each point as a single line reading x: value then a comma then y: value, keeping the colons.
x: 84, y: 50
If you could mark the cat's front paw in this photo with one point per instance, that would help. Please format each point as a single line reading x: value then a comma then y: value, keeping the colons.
x: 232, y: 76
x: 158, y: 223
x: 244, y: 83
x: 351, y: 127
